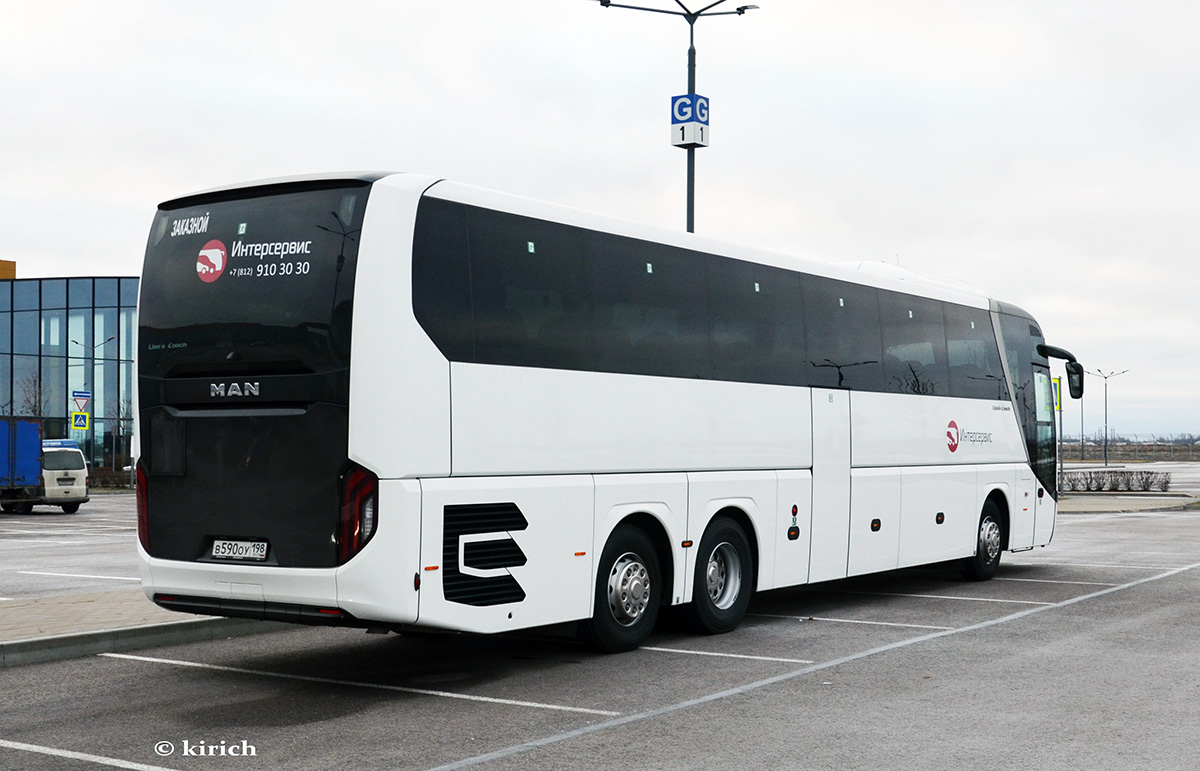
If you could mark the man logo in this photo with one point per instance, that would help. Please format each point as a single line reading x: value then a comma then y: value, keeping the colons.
x: 210, y: 263
x: 477, y: 552
x: 952, y: 436
x: 220, y: 390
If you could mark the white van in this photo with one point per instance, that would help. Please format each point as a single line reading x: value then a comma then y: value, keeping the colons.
x: 65, y: 474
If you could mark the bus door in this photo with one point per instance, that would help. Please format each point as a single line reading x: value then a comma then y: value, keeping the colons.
x: 1045, y: 456
x: 831, y: 484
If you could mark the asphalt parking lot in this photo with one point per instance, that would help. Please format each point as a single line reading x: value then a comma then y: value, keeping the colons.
x: 1081, y: 655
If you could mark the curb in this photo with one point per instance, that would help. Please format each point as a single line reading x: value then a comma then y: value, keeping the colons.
x: 1182, y: 502
x: 69, y: 646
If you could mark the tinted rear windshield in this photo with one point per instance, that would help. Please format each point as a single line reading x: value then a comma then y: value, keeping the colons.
x: 257, y: 284
x: 62, y: 460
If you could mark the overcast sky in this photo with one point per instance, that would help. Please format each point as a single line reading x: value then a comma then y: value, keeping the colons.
x: 1044, y: 152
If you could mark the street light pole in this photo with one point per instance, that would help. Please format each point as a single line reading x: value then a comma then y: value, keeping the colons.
x: 691, y: 17
x: 1099, y: 373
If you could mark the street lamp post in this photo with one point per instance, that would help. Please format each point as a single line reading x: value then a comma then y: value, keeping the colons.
x: 691, y: 17
x: 1099, y: 373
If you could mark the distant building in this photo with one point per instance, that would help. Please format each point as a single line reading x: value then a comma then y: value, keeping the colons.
x: 66, y: 346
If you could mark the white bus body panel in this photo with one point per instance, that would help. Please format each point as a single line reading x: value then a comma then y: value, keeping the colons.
x: 556, y: 576
x: 791, y: 556
x: 903, y: 430
x: 511, y: 420
x: 830, y: 484
x: 1045, y: 509
x: 926, y: 494
x: 1021, y: 525
x: 874, y: 521
x: 378, y: 583
x: 398, y: 377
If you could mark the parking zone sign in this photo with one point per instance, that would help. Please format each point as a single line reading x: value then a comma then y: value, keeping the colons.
x: 689, y: 121
x: 79, y: 420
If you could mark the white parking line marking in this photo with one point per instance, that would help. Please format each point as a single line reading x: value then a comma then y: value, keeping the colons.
x: 937, y: 597
x: 113, y: 762
x: 1094, y: 565
x: 75, y: 575
x: 1049, y: 581
x: 375, y: 686
x: 851, y: 621
x: 518, y: 749
x: 726, y: 655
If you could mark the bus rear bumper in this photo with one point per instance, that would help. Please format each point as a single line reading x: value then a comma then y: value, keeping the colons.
x: 212, y: 589
x: 262, y: 611
x: 328, y: 596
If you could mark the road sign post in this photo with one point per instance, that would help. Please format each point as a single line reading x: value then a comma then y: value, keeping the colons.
x: 81, y: 416
x: 81, y: 399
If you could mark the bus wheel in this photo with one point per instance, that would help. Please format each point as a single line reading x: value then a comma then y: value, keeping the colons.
x: 70, y: 508
x: 722, y: 583
x: 989, y: 540
x: 628, y: 592
x: 24, y: 507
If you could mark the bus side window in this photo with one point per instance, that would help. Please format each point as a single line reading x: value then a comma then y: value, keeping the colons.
x: 841, y: 327
x: 442, y: 278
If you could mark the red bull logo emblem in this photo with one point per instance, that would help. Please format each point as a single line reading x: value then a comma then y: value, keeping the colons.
x: 210, y: 263
x: 952, y: 436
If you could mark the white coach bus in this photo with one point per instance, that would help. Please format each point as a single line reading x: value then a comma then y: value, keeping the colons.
x: 390, y: 401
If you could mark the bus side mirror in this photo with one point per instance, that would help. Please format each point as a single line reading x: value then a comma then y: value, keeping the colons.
x: 1075, y: 379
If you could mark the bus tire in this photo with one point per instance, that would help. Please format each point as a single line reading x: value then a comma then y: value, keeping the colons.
x: 628, y: 592
x: 723, y: 579
x: 24, y: 507
x: 70, y: 508
x: 989, y: 539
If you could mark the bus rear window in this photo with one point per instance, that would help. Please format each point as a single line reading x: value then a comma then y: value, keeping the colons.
x: 260, y: 284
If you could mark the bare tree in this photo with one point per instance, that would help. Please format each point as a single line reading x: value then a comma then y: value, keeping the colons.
x: 31, y: 397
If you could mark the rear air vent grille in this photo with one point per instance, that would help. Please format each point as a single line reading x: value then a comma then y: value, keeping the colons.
x: 498, y: 552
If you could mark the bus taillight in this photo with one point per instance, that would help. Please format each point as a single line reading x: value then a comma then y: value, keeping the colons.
x: 143, y: 522
x: 356, y: 525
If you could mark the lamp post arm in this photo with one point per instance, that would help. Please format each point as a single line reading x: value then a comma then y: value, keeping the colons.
x: 711, y: 5
x: 641, y: 8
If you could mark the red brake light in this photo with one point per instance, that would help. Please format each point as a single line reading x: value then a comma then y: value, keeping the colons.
x: 357, y: 520
x: 142, y: 512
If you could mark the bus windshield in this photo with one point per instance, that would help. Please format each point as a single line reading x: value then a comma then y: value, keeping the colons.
x: 259, y: 284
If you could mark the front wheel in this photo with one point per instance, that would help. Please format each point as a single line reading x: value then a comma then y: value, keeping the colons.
x: 628, y: 592
x: 722, y: 581
x: 989, y: 541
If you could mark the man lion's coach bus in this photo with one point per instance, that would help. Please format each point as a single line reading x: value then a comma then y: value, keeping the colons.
x: 393, y: 401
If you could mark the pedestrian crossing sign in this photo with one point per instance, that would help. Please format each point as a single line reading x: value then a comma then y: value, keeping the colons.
x: 79, y: 420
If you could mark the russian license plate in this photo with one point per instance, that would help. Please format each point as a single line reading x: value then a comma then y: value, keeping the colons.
x: 239, y: 550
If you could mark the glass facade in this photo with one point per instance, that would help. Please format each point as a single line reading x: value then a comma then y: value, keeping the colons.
x: 61, y: 338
